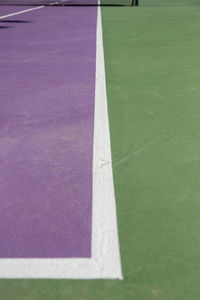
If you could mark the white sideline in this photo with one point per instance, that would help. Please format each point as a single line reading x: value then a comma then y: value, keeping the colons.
x: 105, y: 262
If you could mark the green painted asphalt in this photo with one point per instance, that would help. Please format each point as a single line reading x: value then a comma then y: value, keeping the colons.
x: 153, y: 84
x: 152, y: 56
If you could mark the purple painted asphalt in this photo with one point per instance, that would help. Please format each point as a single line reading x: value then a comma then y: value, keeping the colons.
x: 5, y: 10
x: 47, y: 86
x: 47, y: 2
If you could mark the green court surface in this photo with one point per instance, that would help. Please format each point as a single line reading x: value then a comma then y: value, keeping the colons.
x: 153, y: 84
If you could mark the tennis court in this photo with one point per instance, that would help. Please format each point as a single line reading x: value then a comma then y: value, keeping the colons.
x: 68, y: 209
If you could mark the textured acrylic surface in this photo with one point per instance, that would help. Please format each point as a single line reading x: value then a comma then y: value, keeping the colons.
x: 152, y: 67
x: 46, y: 137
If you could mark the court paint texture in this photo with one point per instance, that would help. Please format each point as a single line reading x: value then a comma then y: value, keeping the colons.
x: 56, y: 175
x: 152, y: 73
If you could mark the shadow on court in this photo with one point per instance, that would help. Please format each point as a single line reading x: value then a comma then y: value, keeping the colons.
x: 5, y: 27
x: 14, y: 21
x: 11, y: 22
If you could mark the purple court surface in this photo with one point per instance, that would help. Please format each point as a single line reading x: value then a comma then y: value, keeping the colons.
x: 47, y: 91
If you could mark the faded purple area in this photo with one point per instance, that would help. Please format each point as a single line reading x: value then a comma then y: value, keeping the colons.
x: 47, y: 85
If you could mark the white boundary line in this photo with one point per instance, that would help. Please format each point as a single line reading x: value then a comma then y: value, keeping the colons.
x: 105, y: 262
x: 21, y: 12
x: 29, y: 9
